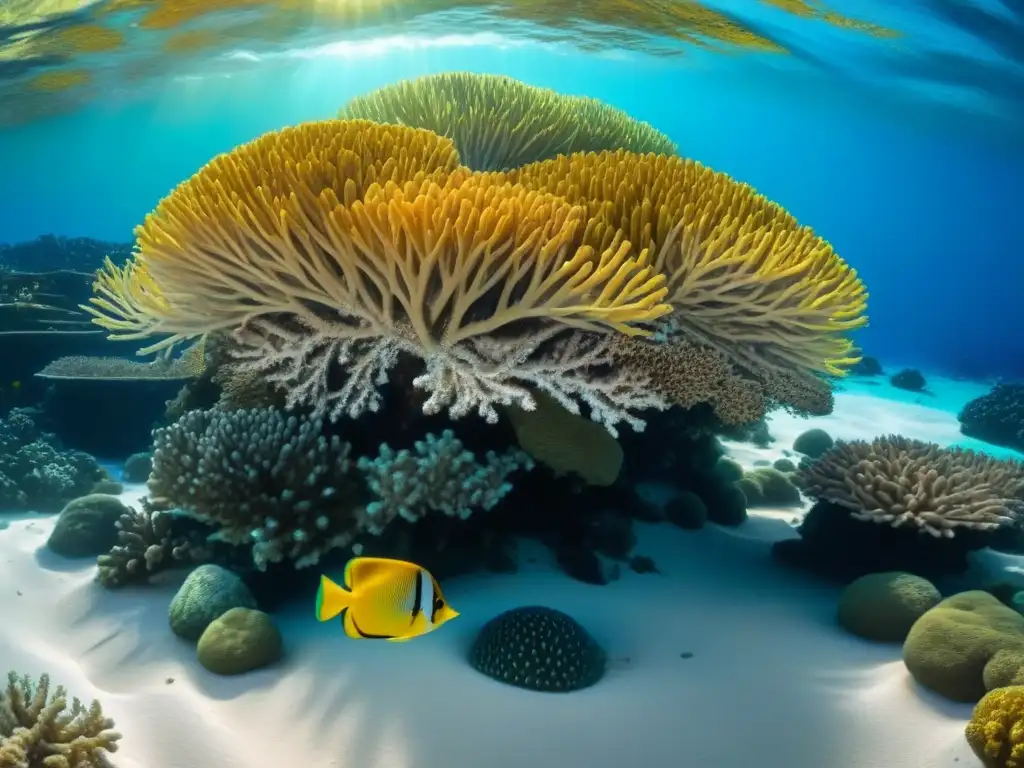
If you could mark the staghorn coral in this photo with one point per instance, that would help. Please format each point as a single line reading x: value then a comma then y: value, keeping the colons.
x: 38, y: 730
x: 148, y: 542
x: 901, y: 482
x: 261, y: 478
x: 498, y: 122
x: 438, y: 475
x: 321, y: 266
x: 743, y: 276
x: 189, y: 365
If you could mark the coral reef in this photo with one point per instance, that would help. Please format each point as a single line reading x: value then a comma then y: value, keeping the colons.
x: 278, y: 483
x: 884, y: 606
x: 148, y: 542
x: 40, y: 730
x: 548, y: 278
x: 996, y: 417
x: 35, y: 472
x: 499, y: 123
x: 768, y: 486
x: 966, y: 645
x: 55, y: 252
x: 901, y: 482
x: 538, y: 648
x: 995, y: 732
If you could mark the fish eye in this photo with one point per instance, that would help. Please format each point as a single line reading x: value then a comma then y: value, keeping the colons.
x: 438, y: 604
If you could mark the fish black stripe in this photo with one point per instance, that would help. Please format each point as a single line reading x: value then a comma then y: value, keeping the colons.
x: 436, y: 605
x: 417, y: 603
x: 369, y: 636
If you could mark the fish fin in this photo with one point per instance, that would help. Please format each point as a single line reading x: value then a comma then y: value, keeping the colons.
x: 348, y: 622
x: 360, y: 570
x: 331, y: 599
x: 402, y: 639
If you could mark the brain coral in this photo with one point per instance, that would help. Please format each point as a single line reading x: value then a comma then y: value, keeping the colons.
x: 538, y: 648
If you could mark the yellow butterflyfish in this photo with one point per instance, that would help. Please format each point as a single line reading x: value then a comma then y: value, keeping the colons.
x: 384, y: 599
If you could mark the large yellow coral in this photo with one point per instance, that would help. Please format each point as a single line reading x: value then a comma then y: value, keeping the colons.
x: 345, y: 242
x: 499, y: 122
x: 743, y: 276
x: 996, y: 730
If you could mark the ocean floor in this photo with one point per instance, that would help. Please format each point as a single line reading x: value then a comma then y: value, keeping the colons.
x: 771, y: 680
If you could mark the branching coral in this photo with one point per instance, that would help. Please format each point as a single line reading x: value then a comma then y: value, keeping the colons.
x: 35, y: 472
x: 901, y: 482
x: 466, y: 275
x: 275, y: 482
x: 743, y: 276
x: 38, y: 730
x: 438, y: 475
x: 498, y: 122
x: 261, y: 478
x: 147, y: 543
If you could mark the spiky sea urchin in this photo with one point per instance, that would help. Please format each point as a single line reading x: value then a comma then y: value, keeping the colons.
x: 538, y: 648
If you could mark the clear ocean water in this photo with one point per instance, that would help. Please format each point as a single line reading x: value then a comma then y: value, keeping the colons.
x: 826, y: 365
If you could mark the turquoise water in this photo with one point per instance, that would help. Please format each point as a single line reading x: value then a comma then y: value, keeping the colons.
x: 645, y: 465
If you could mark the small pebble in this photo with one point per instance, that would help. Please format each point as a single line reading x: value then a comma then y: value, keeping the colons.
x: 686, y: 655
x: 169, y: 680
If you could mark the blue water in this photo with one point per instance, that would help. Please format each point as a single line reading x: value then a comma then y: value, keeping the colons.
x: 892, y: 150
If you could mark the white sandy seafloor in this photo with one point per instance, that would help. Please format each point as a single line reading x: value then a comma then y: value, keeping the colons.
x: 772, y: 680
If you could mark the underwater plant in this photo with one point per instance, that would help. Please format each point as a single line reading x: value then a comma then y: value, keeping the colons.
x: 498, y: 122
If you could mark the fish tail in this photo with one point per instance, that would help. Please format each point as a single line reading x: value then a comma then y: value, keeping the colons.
x: 331, y: 599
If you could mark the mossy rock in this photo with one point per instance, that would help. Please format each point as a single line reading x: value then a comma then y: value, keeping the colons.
x: 728, y: 470
x: 884, y: 606
x: 813, y: 442
x: 109, y: 487
x: 767, y: 486
x: 966, y: 645
x: 238, y: 641
x: 87, y: 526
x: 687, y: 510
x: 540, y: 649
x: 137, y: 468
x: 996, y: 730
x: 208, y: 592
x: 726, y: 503
x: 784, y: 465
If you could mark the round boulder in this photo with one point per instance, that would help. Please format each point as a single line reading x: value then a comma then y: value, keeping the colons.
x: 965, y: 646
x: 207, y: 593
x: 87, y: 526
x: 884, y: 606
x: 239, y: 641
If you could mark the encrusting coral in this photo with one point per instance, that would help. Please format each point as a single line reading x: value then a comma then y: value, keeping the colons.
x: 499, y: 123
x: 277, y: 483
x: 897, y: 481
x: 38, y: 730
x: 996, y: 730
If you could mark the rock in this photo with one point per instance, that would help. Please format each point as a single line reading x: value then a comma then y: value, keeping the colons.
x: 137, y: 468
x: 784, y: 465
x: 728, y: 470
x: 687, y: 510
x: 87, y: 526
x: 208, y: 592
x: 238, y: 641
x: 909, y: 379
x: 965, y: 646
x: 884, y: 606
x: 612, y: 535
x: 813, y: 442
x: 109, y: 487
